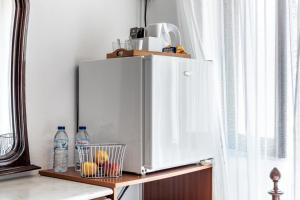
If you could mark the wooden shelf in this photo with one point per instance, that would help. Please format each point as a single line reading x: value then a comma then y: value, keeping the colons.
x: 127, y: 179
x: 198, y: 178
x: 120, y: 53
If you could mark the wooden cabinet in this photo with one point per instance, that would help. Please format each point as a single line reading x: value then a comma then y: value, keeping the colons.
x: 191, y: 186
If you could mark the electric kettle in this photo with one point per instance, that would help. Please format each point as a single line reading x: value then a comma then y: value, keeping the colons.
x: 158, y: 36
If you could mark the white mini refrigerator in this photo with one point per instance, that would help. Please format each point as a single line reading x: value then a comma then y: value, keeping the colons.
x: 159, y: 106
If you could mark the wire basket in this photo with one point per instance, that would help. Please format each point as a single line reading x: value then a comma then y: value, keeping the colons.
x: 101, y: 160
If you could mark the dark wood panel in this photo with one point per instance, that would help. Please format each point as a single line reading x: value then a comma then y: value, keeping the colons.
x: 192, y: 186
x: 18, y: 169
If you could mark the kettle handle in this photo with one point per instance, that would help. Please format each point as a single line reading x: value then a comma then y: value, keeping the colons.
x: 167, y: 28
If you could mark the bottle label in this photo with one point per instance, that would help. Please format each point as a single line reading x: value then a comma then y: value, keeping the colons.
x: 81, y: 142
x: 60, y: 144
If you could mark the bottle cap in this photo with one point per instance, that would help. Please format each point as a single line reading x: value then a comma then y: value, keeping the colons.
x: 61, y: 127
x: 82, y: 128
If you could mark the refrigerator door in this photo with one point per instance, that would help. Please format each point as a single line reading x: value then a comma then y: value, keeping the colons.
x: 177, y: 112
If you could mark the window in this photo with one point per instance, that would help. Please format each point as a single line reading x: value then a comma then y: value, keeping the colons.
x: 259, y: 62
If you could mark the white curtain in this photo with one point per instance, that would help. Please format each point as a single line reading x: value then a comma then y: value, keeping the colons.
x: 296, y: 66
x: 254, y: 46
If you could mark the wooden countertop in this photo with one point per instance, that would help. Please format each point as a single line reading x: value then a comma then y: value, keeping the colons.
x: 127, y: 179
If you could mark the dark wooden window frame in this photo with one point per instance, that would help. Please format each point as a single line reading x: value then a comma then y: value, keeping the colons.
x: 18, y: 159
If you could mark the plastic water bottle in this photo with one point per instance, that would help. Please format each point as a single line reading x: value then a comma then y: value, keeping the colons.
x: 61, y: 141
x: 81, y: 138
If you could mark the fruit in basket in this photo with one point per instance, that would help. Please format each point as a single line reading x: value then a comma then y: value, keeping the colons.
x: 101, y: 157
x: 89, y: 168
x: 111, y: 169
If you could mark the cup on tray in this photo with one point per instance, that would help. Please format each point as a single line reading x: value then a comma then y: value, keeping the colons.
x: 127, y: 44
x: 137, y: 44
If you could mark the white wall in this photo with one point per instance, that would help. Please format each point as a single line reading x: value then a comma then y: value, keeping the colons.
x: 61, y: 33
x: 162, y: 11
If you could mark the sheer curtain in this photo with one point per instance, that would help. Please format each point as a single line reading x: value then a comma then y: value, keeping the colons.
x: 296, y: 66
x: 254, y: 47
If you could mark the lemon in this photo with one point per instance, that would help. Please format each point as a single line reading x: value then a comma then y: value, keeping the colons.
x: 101, y: 157
x: 89, y: 168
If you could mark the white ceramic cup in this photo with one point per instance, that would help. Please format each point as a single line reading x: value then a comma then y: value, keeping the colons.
x: 137, y: 44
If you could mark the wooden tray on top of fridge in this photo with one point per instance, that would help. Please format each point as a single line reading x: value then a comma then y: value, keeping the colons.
x: 120, y: 53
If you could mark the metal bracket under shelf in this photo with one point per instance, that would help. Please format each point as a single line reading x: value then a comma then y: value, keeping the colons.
x: 122, y: 192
